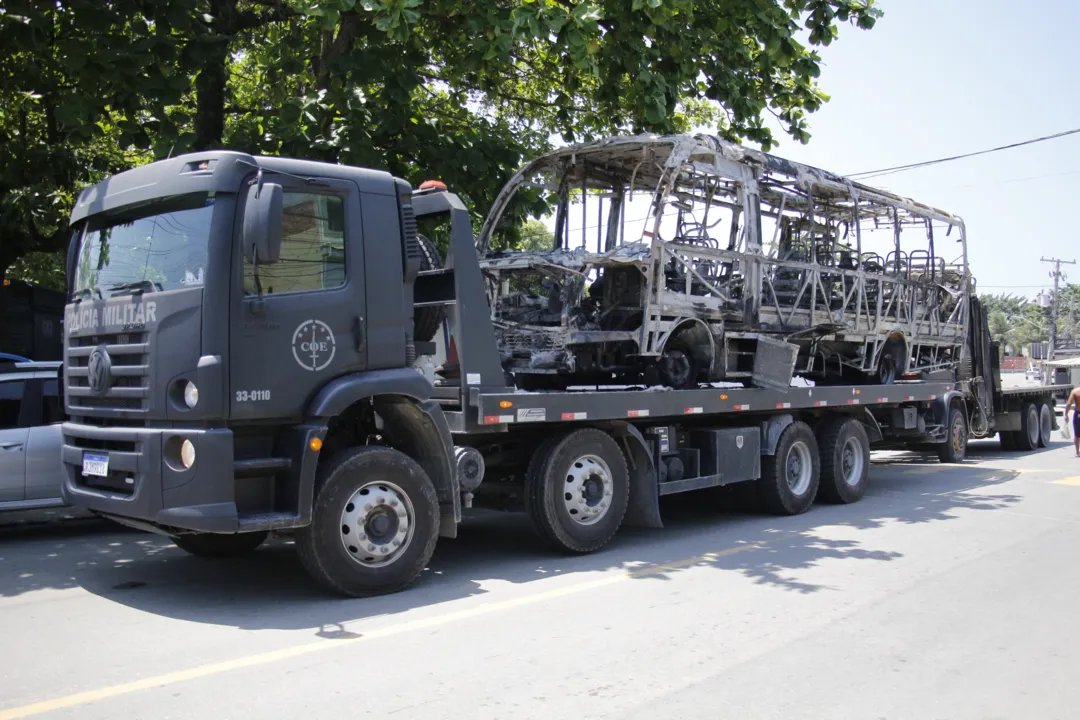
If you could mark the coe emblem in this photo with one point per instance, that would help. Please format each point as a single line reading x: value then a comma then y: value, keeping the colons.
x: 313, y: 345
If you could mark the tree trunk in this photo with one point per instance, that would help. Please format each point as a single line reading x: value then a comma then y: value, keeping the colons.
x: 210, y: 83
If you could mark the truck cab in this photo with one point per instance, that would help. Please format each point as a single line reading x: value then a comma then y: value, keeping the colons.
x: 228, y: 316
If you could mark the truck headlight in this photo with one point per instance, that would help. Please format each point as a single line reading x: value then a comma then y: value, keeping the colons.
x: 187, y: 454
x: 191, y: 394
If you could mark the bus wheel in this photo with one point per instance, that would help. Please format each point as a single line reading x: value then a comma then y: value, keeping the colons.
x: 954, y: 449
x: 845, y: 461
x: 374, y: 523
x: 576, y: 490
x: 789, y: 479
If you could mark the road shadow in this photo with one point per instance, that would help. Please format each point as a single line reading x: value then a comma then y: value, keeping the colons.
x: 269, y: 589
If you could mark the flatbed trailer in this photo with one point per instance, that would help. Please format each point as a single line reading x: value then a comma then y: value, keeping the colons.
x: 788, y: 447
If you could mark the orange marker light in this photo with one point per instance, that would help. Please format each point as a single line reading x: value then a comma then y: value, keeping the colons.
x: 428, y: 184
x: 723, y: 396
x: 315, y: 444
x: 506, y: 404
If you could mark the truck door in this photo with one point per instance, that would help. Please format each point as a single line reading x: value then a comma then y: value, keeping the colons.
x: 13, y: 435
x: 308, y: 326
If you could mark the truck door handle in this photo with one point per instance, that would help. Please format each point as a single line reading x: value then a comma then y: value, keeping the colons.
x: 358, y: 327
x: 10, y: 446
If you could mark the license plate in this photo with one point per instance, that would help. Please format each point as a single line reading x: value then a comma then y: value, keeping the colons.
x: 94, y: 464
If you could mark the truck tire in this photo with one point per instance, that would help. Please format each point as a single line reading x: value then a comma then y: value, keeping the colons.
x: 374, y: 523
x: 789, y: 479
x: 954, y: 449
x: 428, y: 319
x: 1008, y: 441
x: 1046, y: 424
x: 845, y: 460
x: 213, y: 545
x: 1028, y: 437
x: 576, y: 490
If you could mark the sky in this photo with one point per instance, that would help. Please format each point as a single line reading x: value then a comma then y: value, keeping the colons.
x: 936, y: 78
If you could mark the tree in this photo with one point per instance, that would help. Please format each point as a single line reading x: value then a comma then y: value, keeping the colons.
x: 1016, y: 322
x: 456, y: 89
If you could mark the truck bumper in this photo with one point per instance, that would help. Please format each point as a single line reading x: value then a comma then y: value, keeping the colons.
x: 146, y: 483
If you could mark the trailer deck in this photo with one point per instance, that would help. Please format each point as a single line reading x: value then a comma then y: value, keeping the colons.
x: 505, y: 408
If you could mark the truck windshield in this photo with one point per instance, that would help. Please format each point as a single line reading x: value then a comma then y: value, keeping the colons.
x: 160, y: 245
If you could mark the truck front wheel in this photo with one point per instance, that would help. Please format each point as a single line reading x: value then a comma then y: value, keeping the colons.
x: 374, y: 523
x: 790, y: 477
x: 212, y: 545
x: 576, y: 490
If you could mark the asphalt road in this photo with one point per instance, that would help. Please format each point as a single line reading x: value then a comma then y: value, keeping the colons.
x: 948, y: 592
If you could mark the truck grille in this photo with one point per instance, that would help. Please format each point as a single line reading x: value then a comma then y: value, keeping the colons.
x: 126, y: 375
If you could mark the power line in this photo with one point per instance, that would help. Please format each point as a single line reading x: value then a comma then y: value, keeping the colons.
x: 900, y: 168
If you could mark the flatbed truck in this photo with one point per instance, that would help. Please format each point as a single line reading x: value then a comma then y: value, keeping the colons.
x: 241, y: 344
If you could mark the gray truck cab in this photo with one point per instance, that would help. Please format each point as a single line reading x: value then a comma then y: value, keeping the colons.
x: 230, y: 315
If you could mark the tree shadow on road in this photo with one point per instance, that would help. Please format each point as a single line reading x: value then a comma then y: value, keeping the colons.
x: 269, y: 589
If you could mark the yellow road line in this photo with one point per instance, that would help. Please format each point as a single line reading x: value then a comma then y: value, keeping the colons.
x: 1075, y: 480
x: 272, y: 656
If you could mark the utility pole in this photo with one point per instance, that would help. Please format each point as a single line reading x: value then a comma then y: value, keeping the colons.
x: 1058, y: 276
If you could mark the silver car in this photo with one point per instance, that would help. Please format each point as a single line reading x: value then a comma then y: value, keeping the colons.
x: 31, y: 411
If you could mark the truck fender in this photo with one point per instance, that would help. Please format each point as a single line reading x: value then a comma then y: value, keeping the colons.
x: 644, y: 507
x: 943, y: 403
x: 344, y: 391
x: 420, y: 431
x: 872, y: 426
x: 771, y: 430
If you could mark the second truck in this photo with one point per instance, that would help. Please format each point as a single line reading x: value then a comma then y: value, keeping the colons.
x: 241, y: 358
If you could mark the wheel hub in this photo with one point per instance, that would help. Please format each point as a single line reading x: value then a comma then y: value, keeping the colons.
x: 851, y: 462
x: 377, y: 524
x: 799, y: 468
x: 587, y: 490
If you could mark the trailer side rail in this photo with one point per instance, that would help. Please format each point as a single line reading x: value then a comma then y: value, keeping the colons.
x: 505, y: 408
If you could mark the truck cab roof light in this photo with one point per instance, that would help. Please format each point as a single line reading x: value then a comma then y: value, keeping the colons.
x: 432, y: 185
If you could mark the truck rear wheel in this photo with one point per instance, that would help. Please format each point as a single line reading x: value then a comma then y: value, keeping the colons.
x: 576, y: 490
x: 845, y: 460
x: 789, y: 479
x: 1046, y: 424
x: 213, y: 545
x: 1028, y: 437
x: 374, y: 523
x: 954, y: 449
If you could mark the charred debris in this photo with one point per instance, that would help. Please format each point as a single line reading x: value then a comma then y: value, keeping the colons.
x: 678, y: 260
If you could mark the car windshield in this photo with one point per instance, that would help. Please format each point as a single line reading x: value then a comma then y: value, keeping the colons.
x: 157, y: 246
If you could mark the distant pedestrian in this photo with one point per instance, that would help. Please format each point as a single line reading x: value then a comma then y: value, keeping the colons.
x: 1074, y: 402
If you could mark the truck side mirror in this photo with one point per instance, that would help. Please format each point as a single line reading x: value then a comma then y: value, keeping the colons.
x: 262, y: 223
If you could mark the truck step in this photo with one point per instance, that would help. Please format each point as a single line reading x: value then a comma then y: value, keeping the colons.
x: 268, y: 521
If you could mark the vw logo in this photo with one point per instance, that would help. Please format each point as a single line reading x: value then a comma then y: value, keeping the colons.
x: 99, y: 370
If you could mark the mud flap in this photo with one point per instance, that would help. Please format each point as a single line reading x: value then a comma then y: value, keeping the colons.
x: 644, y: 507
